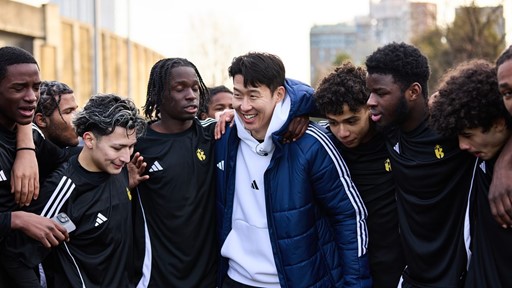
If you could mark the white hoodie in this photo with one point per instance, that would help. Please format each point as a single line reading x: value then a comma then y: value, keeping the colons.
x: 247, y: 246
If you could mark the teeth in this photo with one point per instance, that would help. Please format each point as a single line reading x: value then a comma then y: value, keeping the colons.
x: 249, y: 116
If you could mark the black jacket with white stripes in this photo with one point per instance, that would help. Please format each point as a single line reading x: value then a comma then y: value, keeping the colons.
x: 99, y: 253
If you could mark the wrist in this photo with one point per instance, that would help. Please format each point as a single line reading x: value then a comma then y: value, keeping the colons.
x: 25, y: 149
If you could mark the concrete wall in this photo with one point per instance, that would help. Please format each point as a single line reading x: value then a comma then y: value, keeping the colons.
x: 64, y: 49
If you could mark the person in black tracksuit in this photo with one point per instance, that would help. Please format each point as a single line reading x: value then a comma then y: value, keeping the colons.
x: 341, y: 97
x: 469, y: 105
x: 19, y: 84
x: 432, y: 174
x: 175, y: 240
x: 92, y: 189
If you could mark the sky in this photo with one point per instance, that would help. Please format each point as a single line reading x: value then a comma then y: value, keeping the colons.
x: 185, y: 28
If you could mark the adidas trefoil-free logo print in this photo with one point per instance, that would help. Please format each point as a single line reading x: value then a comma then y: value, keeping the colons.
x: 156, y: 167
x: 254, y: 185
x: 100, y: 219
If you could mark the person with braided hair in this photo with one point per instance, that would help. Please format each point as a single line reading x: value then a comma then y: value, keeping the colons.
x: 54, y: 113
x: 175, y: 236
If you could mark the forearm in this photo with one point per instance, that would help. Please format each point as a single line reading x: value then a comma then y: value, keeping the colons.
x: 500, y: 191
x: 24, y: 136
x: 504, y: 161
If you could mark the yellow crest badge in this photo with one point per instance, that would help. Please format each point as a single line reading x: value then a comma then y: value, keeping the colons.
x: 438, y: 150
x: 200, y: 154
x: 387, y: 165
x: 129, y: 193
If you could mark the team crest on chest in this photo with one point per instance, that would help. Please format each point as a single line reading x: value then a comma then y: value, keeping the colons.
x: 200, y: 154
x: 129, y: 193
x: 438, y: 151
x: 387, y: 165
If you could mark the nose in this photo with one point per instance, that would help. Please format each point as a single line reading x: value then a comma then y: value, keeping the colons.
x: 125, y: 155
x: 463, y: 144
x: 342, y: 132
x: 372, y: 101
x: 31, y: 96
x: 245, y: 104
x: 191, y: 95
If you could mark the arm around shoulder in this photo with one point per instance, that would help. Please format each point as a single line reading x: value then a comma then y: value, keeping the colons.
x: 500, y: 192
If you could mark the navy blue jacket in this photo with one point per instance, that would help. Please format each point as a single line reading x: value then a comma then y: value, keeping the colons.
x: 316, y: 218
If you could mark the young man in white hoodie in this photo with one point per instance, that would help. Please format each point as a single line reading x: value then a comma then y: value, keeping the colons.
x: 288, y: 213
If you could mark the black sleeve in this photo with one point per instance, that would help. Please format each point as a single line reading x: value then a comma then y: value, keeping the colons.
x: 5, y: 223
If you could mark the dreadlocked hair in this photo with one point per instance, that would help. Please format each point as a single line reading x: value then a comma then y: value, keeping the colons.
x: 50, y: 93
x: 159, y: 79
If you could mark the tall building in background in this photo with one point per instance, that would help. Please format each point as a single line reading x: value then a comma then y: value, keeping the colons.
x: 83, y: 11
x: 388, y: 21
x: 328, y: 41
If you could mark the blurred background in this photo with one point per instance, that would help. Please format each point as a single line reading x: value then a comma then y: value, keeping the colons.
x: 109, y: 46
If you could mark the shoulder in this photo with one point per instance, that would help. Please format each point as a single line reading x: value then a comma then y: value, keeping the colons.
x: 207, y: 126
x: 316, y: 137
x: 207, y: 122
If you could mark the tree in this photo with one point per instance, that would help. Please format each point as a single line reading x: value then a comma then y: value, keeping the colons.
x: 476, y: 32
x: 212, y: 46
x: 341, y: 58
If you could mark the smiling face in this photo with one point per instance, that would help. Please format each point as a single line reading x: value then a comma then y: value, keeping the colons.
x: 107, y: 153
x: 351, y: 128
x: 58, y: 127
x: 255, y: 105
x: 505, y: 83
x: 484, y: 145
x: 388, y: 106
x: 19, y: 93
x: 182, y: 98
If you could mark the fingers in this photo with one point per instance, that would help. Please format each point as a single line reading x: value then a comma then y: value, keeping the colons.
x: 142, y: 167
x: 220, y: 129
x: 302, y: 130
x: 501, y: 209
x: 36, y: 189
x: 53, y: 235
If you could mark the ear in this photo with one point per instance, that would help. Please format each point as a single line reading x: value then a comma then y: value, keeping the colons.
x: 40, y: 120
x: 500, y: 125
x: 414, y: 91
x: 280, y: 93
x: 89, y: 139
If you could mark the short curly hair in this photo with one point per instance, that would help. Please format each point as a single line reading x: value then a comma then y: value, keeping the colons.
x: 468, y: 99
x: 504, y: 57
x: 346, y: 85
x: 404, y: 62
